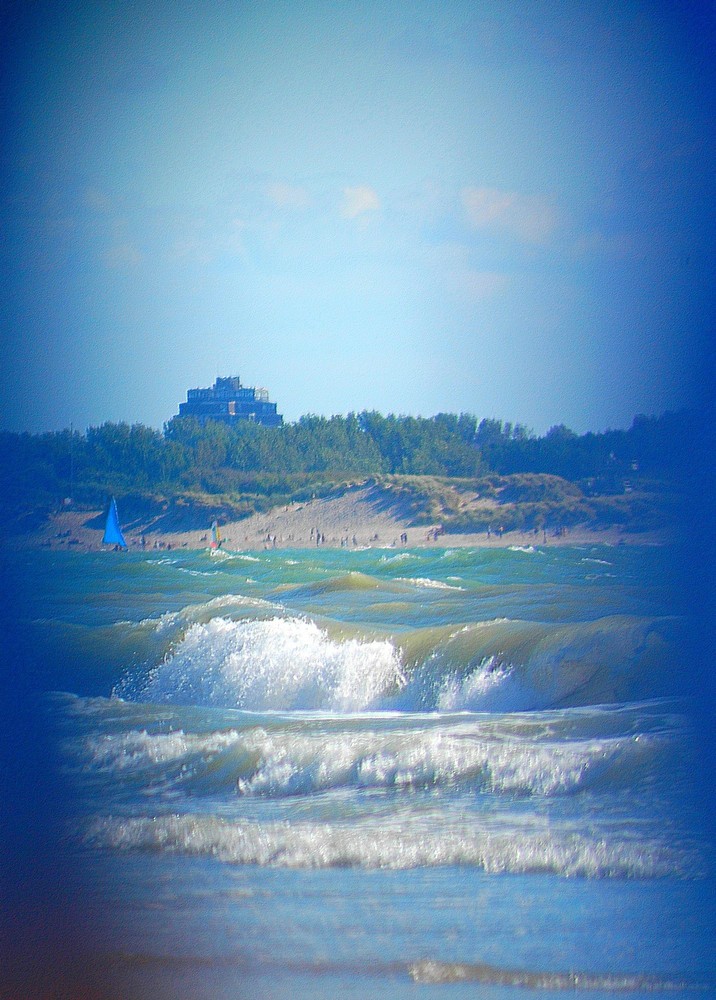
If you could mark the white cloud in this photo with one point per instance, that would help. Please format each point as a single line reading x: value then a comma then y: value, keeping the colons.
x: 529, y: 218
x: 287, y: 195
x: 359, y: 200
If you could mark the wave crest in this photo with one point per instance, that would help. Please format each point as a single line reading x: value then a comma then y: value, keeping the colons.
x: 274, y: 665
x: 395, y: 845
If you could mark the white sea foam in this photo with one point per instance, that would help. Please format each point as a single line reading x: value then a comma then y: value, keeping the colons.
x: 293, y: 763
x: 281, y: 663
x: 138, y: 748
x: 429, y: 971
x: 193, y: 612
x: 423, y: 581
x: 281, y: 760
x: 198, y: 572
x: 402, y: 843
x: 274, y: 664
x: 492, y: 686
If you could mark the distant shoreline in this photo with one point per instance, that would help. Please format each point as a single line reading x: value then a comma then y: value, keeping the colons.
x: 348, y: 521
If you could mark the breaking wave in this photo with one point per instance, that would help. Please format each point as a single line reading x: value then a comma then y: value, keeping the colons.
x: 280, y: 663
x: 276, y: 759
x: 403, y: 842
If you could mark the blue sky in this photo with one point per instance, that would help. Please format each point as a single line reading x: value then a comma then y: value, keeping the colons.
x: 497, y: 208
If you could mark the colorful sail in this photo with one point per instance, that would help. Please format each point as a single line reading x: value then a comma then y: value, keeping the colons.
x: 215, y: 536
x: 112, y: 531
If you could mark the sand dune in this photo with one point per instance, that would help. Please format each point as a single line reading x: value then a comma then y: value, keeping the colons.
x: 360, y: 517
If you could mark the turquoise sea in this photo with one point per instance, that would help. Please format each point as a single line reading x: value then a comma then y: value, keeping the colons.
x: 379, y: 773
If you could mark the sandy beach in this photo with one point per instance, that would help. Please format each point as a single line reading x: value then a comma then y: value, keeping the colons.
x: 357, y: 519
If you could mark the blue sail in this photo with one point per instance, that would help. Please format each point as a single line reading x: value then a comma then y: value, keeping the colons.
x: 112, y: 531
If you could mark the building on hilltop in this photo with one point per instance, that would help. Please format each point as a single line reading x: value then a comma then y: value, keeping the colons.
x: 228, y: 401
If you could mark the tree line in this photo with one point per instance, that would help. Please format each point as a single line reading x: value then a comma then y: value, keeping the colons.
x: 217, y: 458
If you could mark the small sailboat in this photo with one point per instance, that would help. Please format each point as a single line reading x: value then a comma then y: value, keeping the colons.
x: 216, y: 539
x: 112, y: 531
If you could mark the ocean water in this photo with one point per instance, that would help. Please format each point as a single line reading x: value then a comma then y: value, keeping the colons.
x: 379, y: 773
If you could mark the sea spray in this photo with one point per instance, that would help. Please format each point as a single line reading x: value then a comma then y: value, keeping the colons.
x: 263, y: 658
x: 277, y: 664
